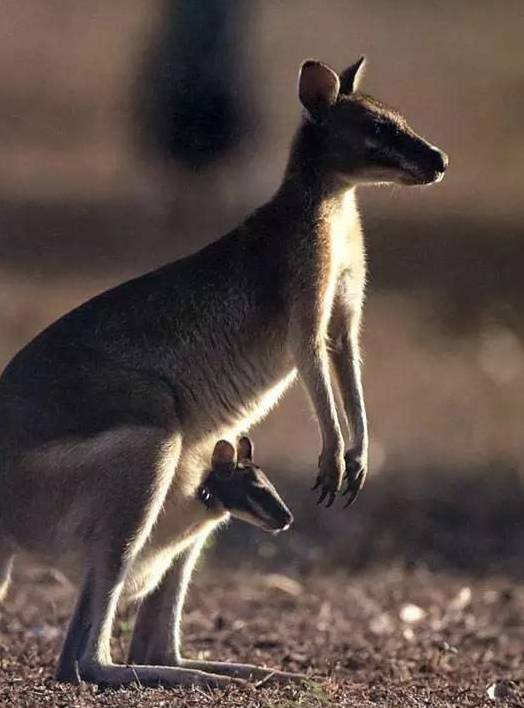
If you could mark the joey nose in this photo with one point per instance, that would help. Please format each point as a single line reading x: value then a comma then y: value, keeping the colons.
x: 284, y: 522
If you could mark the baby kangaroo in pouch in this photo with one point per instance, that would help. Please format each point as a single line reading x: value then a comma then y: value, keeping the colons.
x: 235, y: 486
x: 110, y: 415
x: 243, y: 489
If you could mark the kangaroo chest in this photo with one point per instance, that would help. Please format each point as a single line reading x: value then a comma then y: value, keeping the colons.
x: 340, y: 256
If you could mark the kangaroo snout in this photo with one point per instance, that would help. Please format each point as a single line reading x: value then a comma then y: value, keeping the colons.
x: 439, y: 163
x: 265, y: 508
x: 441, y: 160
x: 281, y: 521
x: 424, y: 163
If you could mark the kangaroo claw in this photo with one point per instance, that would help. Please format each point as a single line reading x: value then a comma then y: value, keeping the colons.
x: 323, y: 495
x: 317, y: 484
x: 355, y: 477
x: 331, y: 499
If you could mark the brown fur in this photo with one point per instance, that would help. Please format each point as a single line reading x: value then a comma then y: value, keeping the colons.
x: 109, y: 416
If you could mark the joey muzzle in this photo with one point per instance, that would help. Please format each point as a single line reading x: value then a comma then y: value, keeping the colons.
x: 248, y: 495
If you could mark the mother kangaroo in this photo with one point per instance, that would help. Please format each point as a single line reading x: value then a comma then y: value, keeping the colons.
x: 107, y: 416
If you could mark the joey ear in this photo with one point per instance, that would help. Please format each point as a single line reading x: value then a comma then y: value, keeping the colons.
x: 224, y: 456
x: 245, y: 448
x: 350, y: 77
x: 318, y: 87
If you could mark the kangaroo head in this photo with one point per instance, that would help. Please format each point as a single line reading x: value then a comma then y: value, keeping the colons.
x: 240, y: 486
x: 359, y: 139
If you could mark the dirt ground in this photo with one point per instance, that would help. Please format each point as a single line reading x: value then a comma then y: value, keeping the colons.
x: 394, y: 638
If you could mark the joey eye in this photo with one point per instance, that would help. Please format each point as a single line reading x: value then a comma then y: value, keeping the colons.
x: 378, y: 129
x: 205, y: 495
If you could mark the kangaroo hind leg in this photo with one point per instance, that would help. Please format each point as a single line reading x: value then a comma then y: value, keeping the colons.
x: 157, y: 637
x: 138, y: 468
x: 125, y: 474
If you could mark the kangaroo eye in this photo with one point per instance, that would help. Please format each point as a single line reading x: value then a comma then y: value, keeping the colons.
x: 204, y: 495
x: 379, y: 129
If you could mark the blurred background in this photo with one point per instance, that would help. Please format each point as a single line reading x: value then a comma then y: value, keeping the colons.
x: 134, y: 132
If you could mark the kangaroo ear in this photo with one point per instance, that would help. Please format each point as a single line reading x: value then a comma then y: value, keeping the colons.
x: 350, y: 77
x: 224, y: 456
x: 245, y: 448
x: 318, y: 87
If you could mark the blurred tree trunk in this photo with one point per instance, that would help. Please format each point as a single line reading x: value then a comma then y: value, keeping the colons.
x: 191, y: 105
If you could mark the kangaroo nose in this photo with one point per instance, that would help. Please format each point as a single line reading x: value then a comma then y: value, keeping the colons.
x: 440, y: 160
x: 286, y: 520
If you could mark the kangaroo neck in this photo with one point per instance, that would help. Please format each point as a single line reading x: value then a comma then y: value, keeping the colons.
x: 315, y: 191
x: 309, y: 199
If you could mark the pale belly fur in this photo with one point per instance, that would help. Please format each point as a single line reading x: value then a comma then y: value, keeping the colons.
x: 181, y: 519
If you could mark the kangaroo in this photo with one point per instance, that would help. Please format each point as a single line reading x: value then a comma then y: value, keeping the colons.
x: 243, y: 489
x: 109, y: 415
x: 233, y: 487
